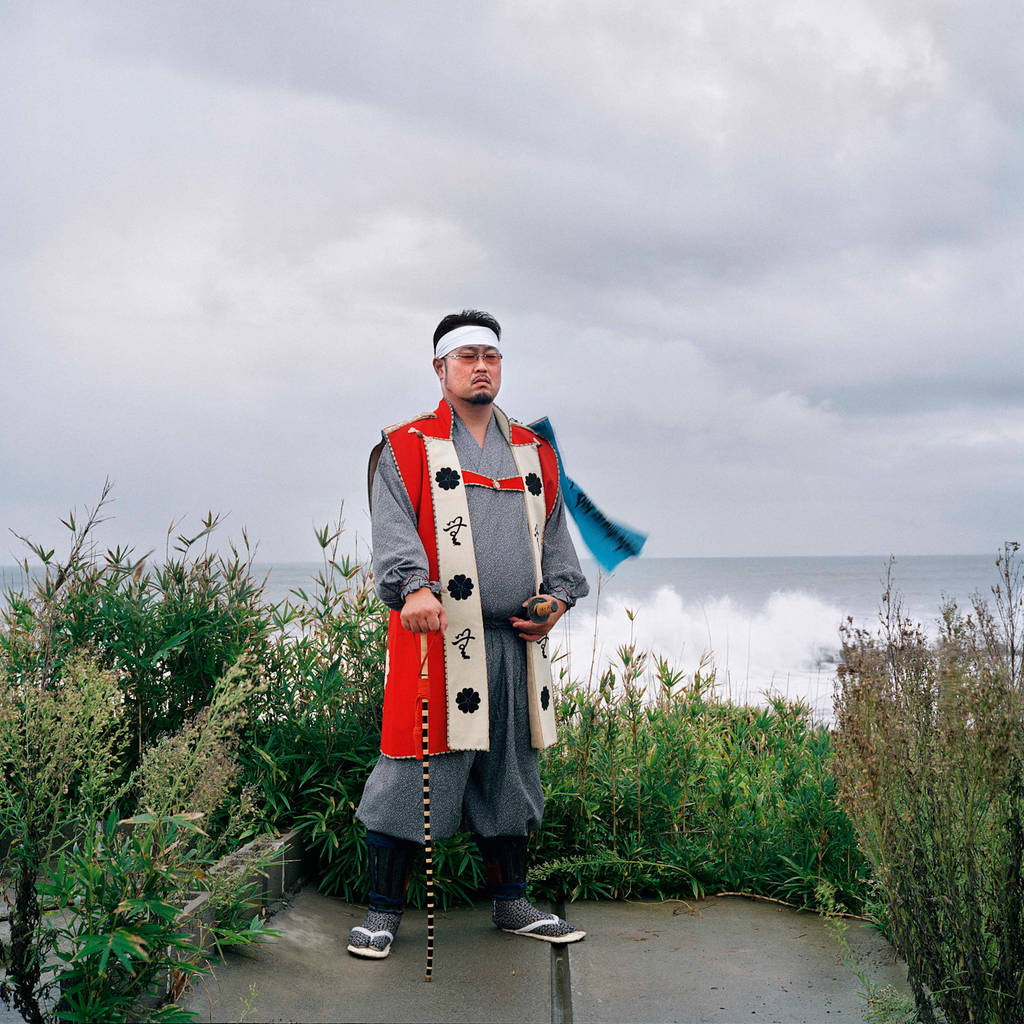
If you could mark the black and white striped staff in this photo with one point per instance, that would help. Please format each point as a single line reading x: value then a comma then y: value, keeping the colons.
x: 538, y: 610
x: 428, y: 847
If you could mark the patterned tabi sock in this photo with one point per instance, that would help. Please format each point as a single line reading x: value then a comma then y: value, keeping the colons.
x: 505, y: 866
x: 523, y: 918
x: 390, y: 860
x: 372, y: 939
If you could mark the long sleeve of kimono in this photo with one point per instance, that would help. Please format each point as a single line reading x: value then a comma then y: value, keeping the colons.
x: 399, y: 561
x: 562, y: 577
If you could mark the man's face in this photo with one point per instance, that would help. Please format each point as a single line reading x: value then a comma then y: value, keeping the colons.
x: 471, y: 373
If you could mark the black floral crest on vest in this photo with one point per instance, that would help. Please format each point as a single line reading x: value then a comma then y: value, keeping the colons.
x: 468, y: 700
x: 447, y: 478
x: 545, y: 698
x: 532, y: 482
x: 460, y: 587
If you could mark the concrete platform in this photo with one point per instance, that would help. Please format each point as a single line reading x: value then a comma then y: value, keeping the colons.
x: 728, y: 960
x: 480, y: 973
x: 722, y: 961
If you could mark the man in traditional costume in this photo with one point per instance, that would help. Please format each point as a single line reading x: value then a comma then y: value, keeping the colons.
x: 468, y: 525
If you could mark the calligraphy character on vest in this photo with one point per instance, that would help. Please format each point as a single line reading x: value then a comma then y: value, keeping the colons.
x: 468, y: 525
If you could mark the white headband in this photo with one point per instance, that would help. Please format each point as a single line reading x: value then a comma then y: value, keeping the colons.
x: 470, y: 334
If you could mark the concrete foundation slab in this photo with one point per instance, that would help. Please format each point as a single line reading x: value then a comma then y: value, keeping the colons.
x: 711, y: 962
x: 480, y: 973
x: 719, y: 961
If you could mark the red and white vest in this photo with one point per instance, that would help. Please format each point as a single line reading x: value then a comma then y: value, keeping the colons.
x: 453, y: 676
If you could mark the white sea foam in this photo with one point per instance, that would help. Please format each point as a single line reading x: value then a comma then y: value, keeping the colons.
x: 789, y: 645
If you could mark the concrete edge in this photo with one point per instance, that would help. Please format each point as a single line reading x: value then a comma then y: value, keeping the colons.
x: 278, y: 872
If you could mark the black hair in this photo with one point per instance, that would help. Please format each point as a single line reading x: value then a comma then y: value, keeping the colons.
x: 466, y: 318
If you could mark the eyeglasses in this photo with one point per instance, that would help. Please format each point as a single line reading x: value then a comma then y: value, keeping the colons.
x: 491, y: 358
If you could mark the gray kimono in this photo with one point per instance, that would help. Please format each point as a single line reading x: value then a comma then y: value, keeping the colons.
x: 497, y: 791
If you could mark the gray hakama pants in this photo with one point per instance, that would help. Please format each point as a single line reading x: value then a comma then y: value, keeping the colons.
x: 494, y: 792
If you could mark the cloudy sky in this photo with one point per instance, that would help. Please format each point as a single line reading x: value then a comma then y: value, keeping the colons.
x: 759, y: 262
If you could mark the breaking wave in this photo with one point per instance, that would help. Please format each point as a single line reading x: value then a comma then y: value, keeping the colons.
x: 789, y: 645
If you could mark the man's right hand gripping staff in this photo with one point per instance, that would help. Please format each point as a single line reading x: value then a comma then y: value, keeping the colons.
x: 423, y: 613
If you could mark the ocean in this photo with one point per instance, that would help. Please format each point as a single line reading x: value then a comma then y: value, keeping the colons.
x: 772, y: 624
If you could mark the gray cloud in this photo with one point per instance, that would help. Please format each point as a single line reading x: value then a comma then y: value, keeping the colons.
x: 759, y: 265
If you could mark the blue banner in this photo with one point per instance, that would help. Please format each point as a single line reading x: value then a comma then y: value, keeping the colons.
x: 609, y: 542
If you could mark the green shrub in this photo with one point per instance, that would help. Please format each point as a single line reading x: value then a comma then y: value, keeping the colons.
x: 656, y: 788
x: 167, y: 632
x: 58, y: 744
x: 94, y: 919
x: 930, y: 758
x: 671, y: 793
x: 314, y: 731
x: 95, y: 900
x: 116, y: 936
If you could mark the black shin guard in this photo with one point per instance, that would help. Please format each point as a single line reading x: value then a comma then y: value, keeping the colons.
x: 390, y: 860
x: 505, y: 865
